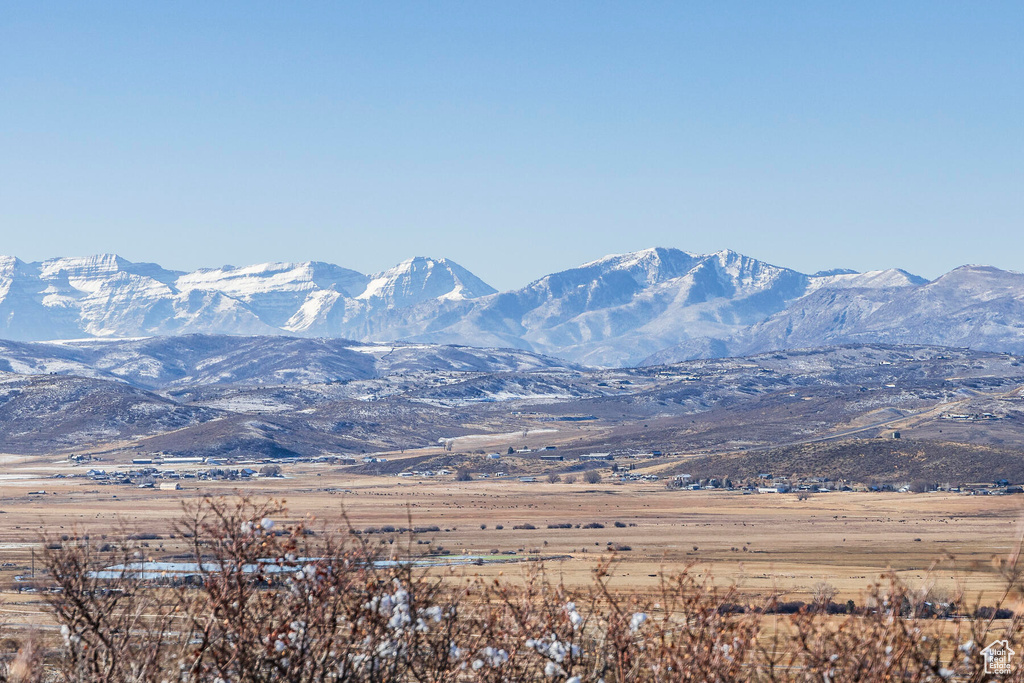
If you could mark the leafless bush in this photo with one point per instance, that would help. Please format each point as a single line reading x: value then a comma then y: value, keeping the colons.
x: 22, y: 660
x: 254, y: 605
x: 823, y: 592
x: 592, y: 477
x: 264, y: 606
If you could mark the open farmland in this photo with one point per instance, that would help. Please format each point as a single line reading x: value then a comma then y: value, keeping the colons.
x: 761, y: 543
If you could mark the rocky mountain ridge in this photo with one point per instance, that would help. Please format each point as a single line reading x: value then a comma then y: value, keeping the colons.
x: 652, y: 306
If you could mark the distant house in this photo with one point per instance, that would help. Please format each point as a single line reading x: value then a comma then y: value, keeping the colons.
x: 527, y: 480
x: 170, y: 486
x: 596, y: 456
x: 780, y: 487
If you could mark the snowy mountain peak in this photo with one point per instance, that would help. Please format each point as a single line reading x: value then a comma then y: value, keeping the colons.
x: 978, y: 270
x: 619, y: 309
x: 92, y: 269
x: 875, y: 279
x: 274, y: 291
x: 644, y: 257
x: 645, y: 267
x: 978, y: 283
x: 420, y: 279
x: 81, y: 268
x: 746, y: 270
x: 835, y: 271
x: 261, y: 278
x: 9, y: 265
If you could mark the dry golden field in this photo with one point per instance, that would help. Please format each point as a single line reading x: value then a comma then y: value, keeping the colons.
x: 760, y: 542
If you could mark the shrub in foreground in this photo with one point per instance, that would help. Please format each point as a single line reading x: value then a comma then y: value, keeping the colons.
x: 263, y: 606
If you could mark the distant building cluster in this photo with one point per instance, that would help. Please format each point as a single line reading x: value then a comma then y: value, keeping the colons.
x: 166, y: 472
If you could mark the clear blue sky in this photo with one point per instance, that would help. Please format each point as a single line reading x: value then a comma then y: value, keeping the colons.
x: 516, y: 138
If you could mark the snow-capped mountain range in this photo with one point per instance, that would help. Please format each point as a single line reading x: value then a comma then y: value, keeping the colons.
x: 655, y: 305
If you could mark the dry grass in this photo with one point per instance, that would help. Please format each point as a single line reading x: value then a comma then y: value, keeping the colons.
x: 763, y: 544
x: 261, y: 613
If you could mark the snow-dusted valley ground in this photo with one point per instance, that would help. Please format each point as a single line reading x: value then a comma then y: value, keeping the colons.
x: 960, y: 412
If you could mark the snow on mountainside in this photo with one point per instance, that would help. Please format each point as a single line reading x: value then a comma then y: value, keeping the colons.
x: 271, y: 290
x: 86, y: 271
x: 654, y: 305
x: 621, y: 308
x: 420, y: 279
x: 43, y: 414
x: 873, y: 279
x: 973, y: 306
x: 164, y: 362
x: 389, y: 301
x: 108, y: 296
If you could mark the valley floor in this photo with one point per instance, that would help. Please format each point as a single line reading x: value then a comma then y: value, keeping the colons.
x: 760, y: 543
